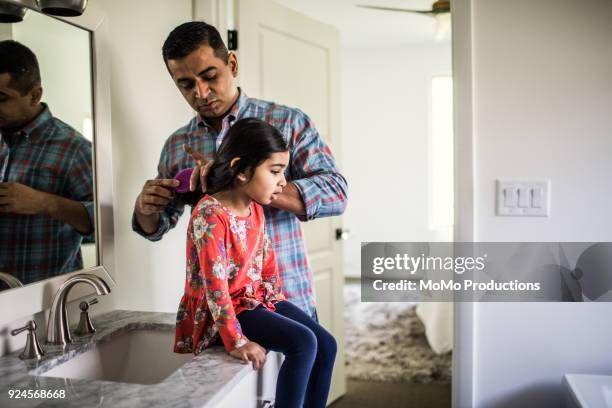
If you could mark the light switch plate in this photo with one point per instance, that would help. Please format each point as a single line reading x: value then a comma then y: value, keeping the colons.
x: 522, y: 198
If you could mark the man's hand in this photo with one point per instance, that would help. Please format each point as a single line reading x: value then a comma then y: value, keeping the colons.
x: 152, y: 201
x: 290, y: 200
x: 200, y: 171
x: 251, y: 352
x: 154, y: 196
x: 18, y: 198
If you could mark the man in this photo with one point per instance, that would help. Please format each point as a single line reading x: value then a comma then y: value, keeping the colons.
x: 46, y: 185
x: 205, y: 72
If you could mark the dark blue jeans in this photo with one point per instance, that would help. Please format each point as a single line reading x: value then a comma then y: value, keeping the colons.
x: 309, y: 351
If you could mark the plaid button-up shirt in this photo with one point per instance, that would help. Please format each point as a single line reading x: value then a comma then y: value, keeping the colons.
x: 312, y: 169
x: 46, y: 155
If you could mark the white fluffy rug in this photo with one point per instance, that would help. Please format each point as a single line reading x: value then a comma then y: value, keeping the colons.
x: 386, y: 342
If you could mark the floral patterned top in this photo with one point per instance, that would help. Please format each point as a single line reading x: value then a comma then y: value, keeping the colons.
x: 230, y: 268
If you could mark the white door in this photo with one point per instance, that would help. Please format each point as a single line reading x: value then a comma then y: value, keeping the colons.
x: 293, y: 60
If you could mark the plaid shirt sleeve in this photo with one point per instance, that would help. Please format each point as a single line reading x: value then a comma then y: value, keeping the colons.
x: 323, y: 189
x: 169, y: 218
x: 80, y: 180
x: 270, y: 277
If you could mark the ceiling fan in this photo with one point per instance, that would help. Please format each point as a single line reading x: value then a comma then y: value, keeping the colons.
x: 440, y: 10
x: 439, y: 7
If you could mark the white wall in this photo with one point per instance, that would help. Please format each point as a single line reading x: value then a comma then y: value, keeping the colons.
x: 542, y: 109
x: 6, y: 32
x: 386, y: 99
x: 146, y: 109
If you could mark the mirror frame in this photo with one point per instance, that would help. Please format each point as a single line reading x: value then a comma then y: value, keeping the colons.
x: 36, y: 297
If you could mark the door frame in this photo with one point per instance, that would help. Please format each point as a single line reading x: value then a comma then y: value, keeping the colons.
x: 463, y: 384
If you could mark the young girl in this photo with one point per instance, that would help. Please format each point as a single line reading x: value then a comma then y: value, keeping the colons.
x: 233, y: 288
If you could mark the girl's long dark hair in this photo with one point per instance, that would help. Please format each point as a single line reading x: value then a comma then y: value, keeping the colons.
x: 252, y: 141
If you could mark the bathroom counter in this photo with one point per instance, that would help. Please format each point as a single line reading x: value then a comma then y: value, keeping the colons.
x: 202, y: 382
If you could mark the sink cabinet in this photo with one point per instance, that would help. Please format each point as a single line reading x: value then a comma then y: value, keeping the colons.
x: 255, y: 387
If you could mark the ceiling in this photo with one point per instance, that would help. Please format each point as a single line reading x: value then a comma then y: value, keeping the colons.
x: 359, y: 26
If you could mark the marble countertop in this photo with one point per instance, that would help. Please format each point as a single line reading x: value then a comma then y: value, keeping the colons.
x: 199, y: 383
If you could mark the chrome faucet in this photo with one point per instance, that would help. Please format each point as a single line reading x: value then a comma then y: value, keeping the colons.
x: 32, y: 348
x: 10, y: 280
x: 57, y: 328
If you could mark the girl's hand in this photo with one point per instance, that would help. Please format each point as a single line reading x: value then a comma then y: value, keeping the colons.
x: 251, y: 352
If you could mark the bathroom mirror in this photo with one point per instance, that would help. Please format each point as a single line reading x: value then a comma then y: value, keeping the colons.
x: 57, y: 156
x: 76, y: 94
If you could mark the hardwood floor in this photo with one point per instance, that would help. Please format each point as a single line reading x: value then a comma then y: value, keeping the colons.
x: 371, y: 394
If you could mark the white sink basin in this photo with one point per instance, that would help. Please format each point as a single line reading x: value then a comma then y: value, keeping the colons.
x: 140, y: 356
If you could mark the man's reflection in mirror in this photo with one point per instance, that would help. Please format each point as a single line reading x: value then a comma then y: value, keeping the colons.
x: 46, y: 187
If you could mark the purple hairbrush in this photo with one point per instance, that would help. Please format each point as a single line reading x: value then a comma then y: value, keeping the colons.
x: 183, y: 177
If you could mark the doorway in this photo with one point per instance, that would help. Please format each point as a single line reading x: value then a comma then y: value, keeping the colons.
x: 396, y: 112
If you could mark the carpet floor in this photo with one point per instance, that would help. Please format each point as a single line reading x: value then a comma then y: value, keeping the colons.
x: 387, y: 342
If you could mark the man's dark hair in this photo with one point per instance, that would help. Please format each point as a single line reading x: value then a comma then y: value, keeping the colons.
x: 21, y: 64
x: 188, y: 37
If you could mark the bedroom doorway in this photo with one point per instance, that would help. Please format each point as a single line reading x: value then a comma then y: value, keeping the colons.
x: 396, y: 96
